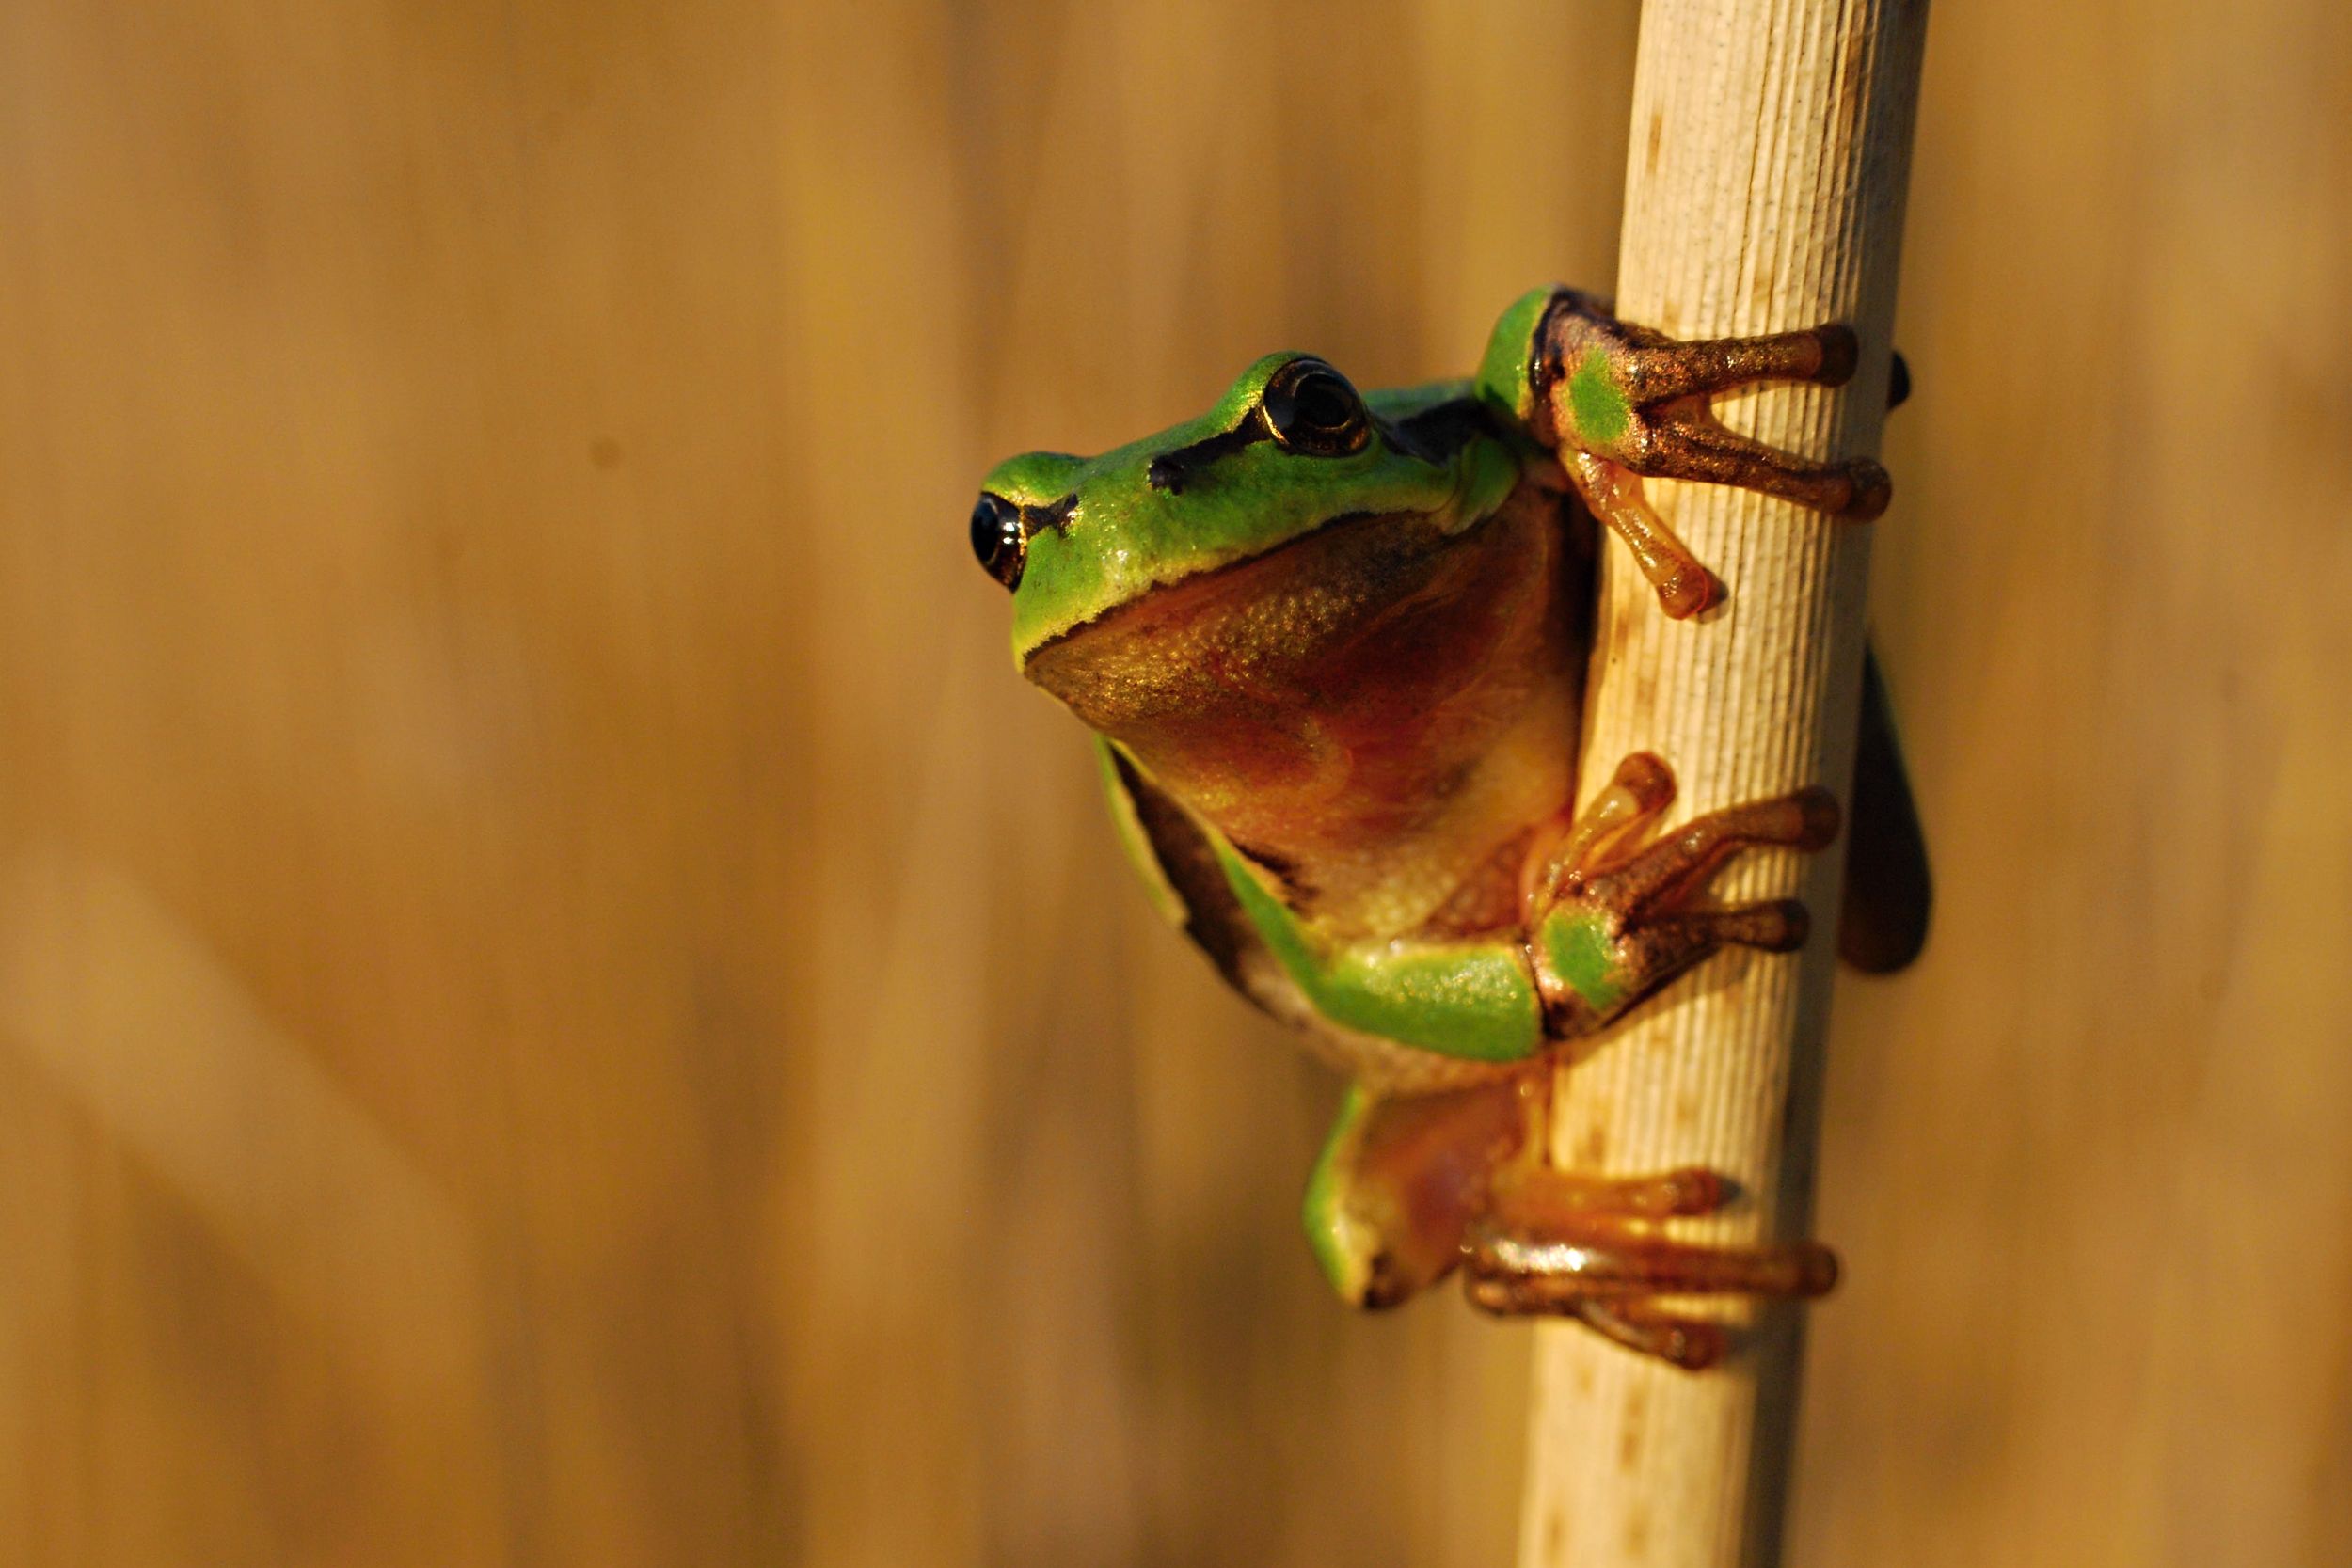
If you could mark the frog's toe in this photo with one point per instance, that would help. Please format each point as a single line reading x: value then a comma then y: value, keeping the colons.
x: 1611, y: 1260
x: 1656, y: 948
x: 1610, y: 1276
x: 1840, y: 351
x: 1869, y: 490
x: 1613, y: 919
x: 1776, y: 926
x: 1658, y: 877
x: 1689, y: 442
x: 1533, y: 1199
x: 1692, y: 1344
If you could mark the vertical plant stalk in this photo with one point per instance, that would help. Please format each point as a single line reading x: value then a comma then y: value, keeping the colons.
x: 1770, y: 149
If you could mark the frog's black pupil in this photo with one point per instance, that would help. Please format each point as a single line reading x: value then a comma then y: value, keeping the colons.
x: 996, y: 540
x: 1311, y: 408
x: 1323, y: 401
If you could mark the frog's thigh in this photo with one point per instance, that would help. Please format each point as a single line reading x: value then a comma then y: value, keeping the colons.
x: 1402, y: 1179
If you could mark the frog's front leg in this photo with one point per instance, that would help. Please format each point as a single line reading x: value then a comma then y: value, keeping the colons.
x: 1607, y: 920
x: 1611, y: 919
x: 1619, y: 402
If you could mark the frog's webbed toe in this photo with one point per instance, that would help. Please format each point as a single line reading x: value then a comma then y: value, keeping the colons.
x: 1689, y: 442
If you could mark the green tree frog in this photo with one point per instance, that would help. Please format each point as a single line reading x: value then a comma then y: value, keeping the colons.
x: 1333, y: 647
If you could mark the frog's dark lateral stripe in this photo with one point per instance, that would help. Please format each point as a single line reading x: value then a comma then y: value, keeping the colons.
x: 1297, y: 892
x: 1172, y: 470
x: 1433, y: 435
x: 1438, y: 432
x: 1054, y: 515
x: 1212, y: 916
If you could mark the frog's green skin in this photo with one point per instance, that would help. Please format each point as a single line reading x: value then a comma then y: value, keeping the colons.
x: 1333, y: 654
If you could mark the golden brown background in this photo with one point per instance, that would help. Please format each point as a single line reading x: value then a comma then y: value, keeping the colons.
x: 559, y: 1002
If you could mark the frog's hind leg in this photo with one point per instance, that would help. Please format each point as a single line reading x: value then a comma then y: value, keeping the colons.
x: 1402, y: 1179
x: 1411, y: 1186
x: 1560, y: 1244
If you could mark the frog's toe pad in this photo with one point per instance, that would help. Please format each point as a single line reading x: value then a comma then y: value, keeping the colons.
x: 1778, y: 926
x: 1871, y: 489
x: 1840, y: 352
x: 1819, y: 818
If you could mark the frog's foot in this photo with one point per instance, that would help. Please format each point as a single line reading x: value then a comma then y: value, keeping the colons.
x: 1610, y: 918
x: 1624, y: 402
x: 1559, y: 1244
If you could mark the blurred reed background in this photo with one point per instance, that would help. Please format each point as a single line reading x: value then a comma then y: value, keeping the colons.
x: 560, y: 1004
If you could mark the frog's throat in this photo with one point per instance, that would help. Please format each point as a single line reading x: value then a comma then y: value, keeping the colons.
x: 1192, y: 582
x: 1456, y: 434
x: 1450, y: 518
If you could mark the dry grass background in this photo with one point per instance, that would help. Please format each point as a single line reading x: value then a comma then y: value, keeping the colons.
x: 558, y: 1004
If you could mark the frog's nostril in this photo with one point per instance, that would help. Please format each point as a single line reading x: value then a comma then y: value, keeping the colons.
x: 998, y: 540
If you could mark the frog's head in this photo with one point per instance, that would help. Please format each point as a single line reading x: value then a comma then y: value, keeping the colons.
x: 1290, y: 449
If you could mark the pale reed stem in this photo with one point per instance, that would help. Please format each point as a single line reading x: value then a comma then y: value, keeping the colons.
x: 1770, y: 147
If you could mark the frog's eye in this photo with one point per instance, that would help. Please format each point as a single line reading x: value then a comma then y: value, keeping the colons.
x: 1311, y: 408
x: 998, y: 539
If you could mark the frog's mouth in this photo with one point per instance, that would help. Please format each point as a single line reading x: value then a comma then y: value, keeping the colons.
x: 1371, y: 626
x: 1261, y: 612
